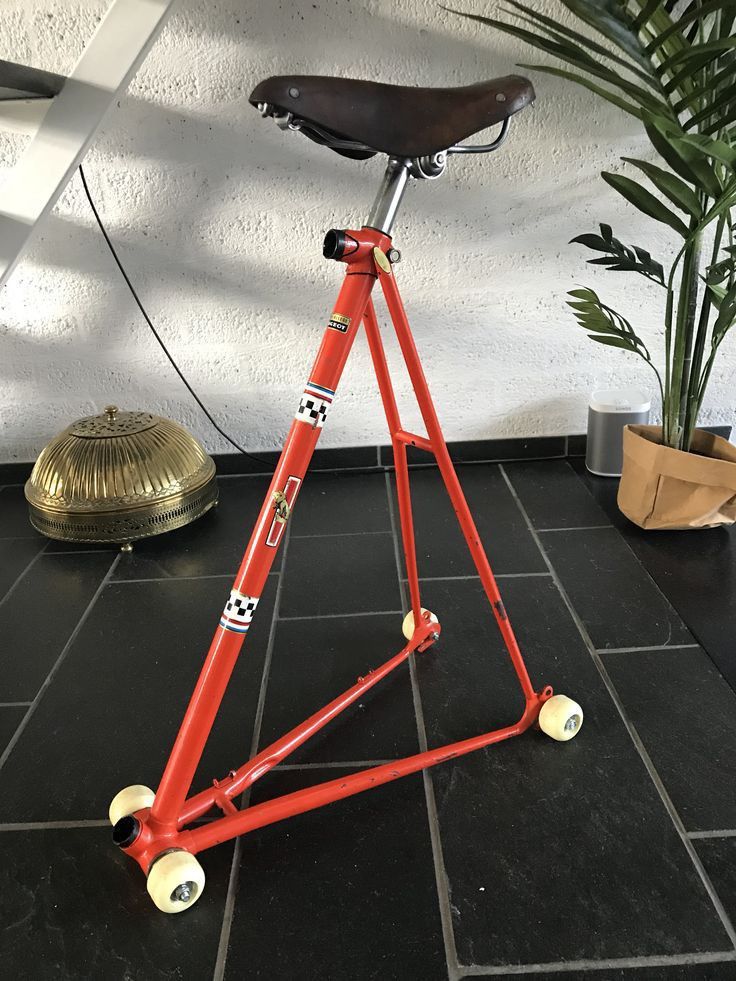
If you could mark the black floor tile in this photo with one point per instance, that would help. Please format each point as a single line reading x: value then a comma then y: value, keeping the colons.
x: 685, y: 714
x: 718, y: 855
x: 110, y: 716
x: 604, y: 490
x: 553, y: 496
x: 340, y: 574
x: 14, y: 514
x: 343, y: 892
x: 74, y: 907
x: 577, y: 445
x: 553, y: 851
x: 697, y: 572
x: 338, y: 504
x: 612, y: 593
x: 10, y: 717
x: 314, y: 661
x: 717, y: 971
x: 441, y: 548
x: 212, y: 545
x: 686, y: 565
x: 38, y: 618
x: 467, y: 683
x: 15, y: 473
x: 15, y: 554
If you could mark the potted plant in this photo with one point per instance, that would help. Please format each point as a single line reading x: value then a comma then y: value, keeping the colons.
x: 672, y: 65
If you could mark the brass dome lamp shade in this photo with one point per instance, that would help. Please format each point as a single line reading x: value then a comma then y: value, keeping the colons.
x: 118, y: 477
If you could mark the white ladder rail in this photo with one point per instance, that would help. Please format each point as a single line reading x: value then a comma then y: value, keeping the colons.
x: 66, y: 123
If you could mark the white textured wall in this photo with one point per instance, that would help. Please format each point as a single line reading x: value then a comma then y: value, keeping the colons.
x: 219, y: 217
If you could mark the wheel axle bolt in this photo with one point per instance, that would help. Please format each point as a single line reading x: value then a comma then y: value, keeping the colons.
x: 434, y: 636
x: 183, y: 893
x: 393, y: 255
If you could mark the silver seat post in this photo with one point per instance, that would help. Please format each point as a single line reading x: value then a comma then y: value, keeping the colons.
x: 389, y: 195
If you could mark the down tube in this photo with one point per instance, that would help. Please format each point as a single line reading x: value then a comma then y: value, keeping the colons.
x: 267, y: 535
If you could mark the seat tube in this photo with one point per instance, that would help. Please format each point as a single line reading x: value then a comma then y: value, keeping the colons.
x: 269, y: 531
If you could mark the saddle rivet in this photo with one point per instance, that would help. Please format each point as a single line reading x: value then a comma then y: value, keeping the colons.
x: 294, y: 92
x: 500, y: 97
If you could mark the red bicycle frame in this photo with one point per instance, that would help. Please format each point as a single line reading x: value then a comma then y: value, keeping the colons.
x: 164, y: 827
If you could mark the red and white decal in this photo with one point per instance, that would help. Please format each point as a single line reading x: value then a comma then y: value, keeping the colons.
x: 277, y: 527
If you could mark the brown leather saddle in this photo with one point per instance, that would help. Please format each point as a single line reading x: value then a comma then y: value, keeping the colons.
x: 399, y: 120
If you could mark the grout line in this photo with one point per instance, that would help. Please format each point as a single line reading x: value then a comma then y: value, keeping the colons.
x: 388, y: 468
x: 378, y: 456
x: 8, y: 705
x: 57, y: 664
x: 633, y: 733
x: 577, y: 528
x: 699, y: 835
x: 440, y: 873
x: 53, y: 825
x: 636, y: 650
x: 340, y: 616
x: 82, y: 551
x: 343, y: 534
x: 218, y: 575
x: 232, y: 886
x: 255, y: 473
x: 620, y: 963
x: 23, y: 574
x: 367, y: 471
x: 501, y: 575
x: 351, y: 764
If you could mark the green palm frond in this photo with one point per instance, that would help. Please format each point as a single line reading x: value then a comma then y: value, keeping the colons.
x: 671, y: 64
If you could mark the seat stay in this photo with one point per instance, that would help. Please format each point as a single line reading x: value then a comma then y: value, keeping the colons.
x: 450, y: 479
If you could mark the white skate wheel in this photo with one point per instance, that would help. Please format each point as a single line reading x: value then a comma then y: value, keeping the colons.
x: 407, y: 627
x: 561, y: 718
x: 130, y: 800
x: 175, y: 882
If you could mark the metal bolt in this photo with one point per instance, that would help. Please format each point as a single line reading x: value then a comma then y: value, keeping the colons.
x: 571, y: 724
x: 294, y: 92
x: 126, y: 547
x: 183, y: 893
x: 393, y: 255
x: 434, y: 636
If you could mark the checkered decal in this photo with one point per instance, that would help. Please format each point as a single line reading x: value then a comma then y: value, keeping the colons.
x: 238, y: 612
x: 314, y: 404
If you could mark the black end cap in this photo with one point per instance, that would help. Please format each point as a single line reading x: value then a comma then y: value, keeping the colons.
x: 334, y: 244
x: 125, y: 832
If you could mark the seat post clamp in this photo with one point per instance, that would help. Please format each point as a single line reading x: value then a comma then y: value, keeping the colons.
x: 428, y: 168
